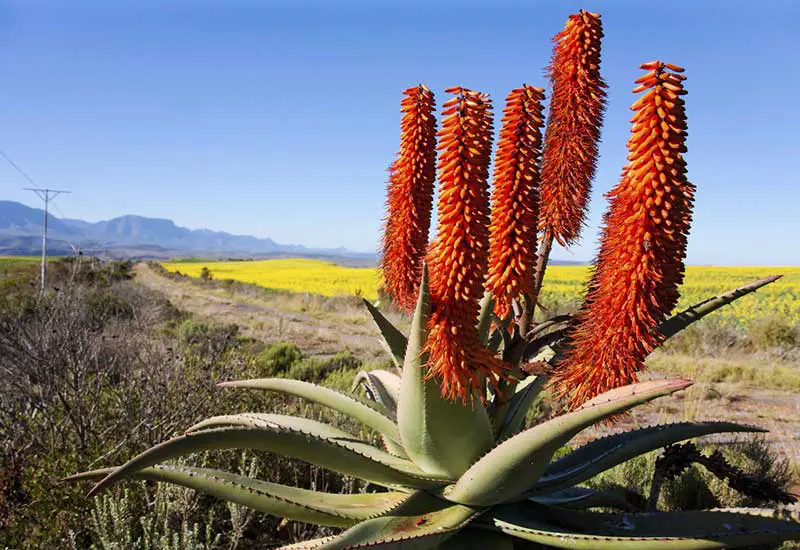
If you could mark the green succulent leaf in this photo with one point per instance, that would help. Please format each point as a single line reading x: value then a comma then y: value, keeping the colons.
x: 423, y: 521
x: 485, y: 317
x: 495, y: 339
x: 383, y: 386
x: 581, y: 498
x: 333, y: 510
x: 478, y: 539
x: 680, y: 321
x: 528, y: 393
x: 554, y: 324
x: 442, y: 437
x: 266, y: 420
x: 392, y: 339
x: 312, y: 544
x: 347, y: 455
x: 690, y: 530
x: 368, y: 412
x: 607, y: 452
x: 512, y: 468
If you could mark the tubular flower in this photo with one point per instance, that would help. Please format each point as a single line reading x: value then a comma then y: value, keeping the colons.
x: 515, y: 199
x: 458, y: 255
x: 640, y: 263
x: 410, y: 198
x: 577, y: 103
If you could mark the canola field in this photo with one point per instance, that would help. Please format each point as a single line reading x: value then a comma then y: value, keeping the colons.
x: 296, y: 275
x: 563, y: 286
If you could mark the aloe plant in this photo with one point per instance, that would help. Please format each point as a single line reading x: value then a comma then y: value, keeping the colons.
x: 454, y: 474
x: 458, y: 468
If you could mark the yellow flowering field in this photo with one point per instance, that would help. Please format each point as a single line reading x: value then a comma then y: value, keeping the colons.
x: 296, y: 275
x: 781, y: 298
x: 562, y: 284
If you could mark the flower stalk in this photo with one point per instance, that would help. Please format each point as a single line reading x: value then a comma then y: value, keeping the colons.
x: 640, y: 263
x: 572, y: 137
x: 410, y: 198
x: 458, y: 256
x: 515, y: 199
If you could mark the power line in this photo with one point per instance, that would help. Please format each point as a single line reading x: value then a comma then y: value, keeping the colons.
x: 18, y: 169
x: 27, y: 178
x: 46, y: 195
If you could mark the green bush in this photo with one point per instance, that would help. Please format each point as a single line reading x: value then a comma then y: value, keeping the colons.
x: 317, y: 370
x: 101, y: 305
x: 276, y: 359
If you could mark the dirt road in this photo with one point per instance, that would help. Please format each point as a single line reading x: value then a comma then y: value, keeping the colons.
x: 319, y: 328
x: 273, y: 318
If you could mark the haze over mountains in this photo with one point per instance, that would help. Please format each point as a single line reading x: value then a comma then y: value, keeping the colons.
x: 140, y: 237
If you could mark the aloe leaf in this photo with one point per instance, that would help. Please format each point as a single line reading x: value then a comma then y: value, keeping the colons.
x: 512, y: 468
x: 547, y: 335
x: 333, y: 510
x: 559, y: 322
x: 370, y: 413
x: 495, y: 339
x: 478, y: 539
x: 581, y: 498
x: 346, y: 455
x: 442, y: 437
x: 267, y: 420
x: 313, y: 544
x: 689, y: 530
x: 680, y: 321
x: 520, y: 404
x: 607, y: 452
x: 485, y: 317
x: 384, y: 387
x: 423, y: 521
x: 392, y: 339
x: 544, y: 348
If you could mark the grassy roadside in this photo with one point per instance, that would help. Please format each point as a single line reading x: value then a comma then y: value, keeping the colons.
x: 749, y: 372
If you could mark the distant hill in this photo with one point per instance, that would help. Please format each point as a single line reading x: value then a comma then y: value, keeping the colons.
x: 140, y: 237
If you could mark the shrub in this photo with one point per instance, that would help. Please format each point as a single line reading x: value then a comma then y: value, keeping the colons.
x: 276, y: 359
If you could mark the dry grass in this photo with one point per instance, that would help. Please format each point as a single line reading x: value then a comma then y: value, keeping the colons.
x: 744, y: 372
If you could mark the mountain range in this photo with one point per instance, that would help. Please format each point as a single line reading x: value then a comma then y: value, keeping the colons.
x: 141, y: 237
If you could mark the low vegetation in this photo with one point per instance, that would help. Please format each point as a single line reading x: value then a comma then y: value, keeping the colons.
x: 103, y: 367
x: 166, y: 350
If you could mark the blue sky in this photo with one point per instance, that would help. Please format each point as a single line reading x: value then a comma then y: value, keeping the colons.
x: 279, y: 119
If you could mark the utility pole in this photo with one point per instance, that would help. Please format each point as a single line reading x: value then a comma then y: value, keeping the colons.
x: 46, y: 195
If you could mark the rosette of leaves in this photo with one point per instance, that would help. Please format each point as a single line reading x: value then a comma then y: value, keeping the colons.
x: 455, y: 474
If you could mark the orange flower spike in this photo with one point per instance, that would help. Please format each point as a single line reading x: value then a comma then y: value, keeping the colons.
x: 457, y: 257
x: 410, y: 198
x: 569, y: 159
x: 640, y: 263
x: 515, y: 199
